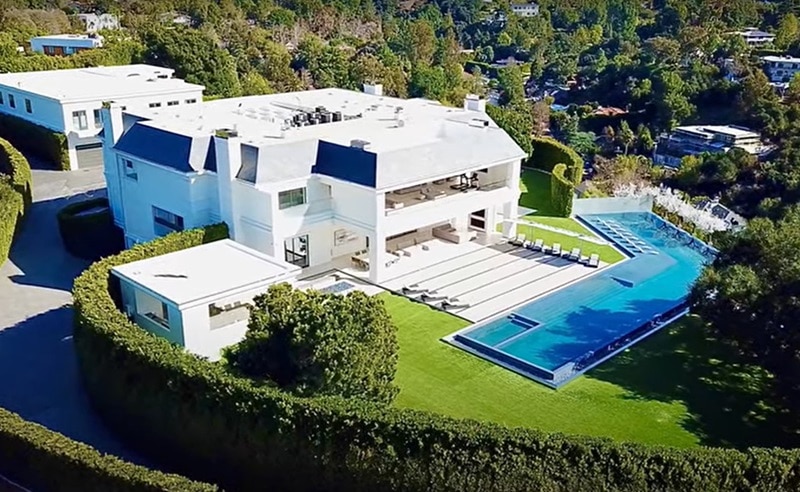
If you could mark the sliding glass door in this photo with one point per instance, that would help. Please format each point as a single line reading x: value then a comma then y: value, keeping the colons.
x: 296, y: 250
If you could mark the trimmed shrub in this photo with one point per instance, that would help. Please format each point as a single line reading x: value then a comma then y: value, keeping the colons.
x: 90, y: 236
x: 46, y: 460
x: 207, y: 422
x: 11, y: 210
x: 548, y: 152
x: 36, y: 140
x: 561, y: 191
x: 15, y: 165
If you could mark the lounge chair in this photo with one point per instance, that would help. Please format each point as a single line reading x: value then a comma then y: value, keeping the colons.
x: 432, y: 296
x: 573, y: 255
x: 518, y: 241
x: 454, y: 303
x: 537, y: 245
x: 556, y: 251
x: 413, y: 289
x: 594, y: 261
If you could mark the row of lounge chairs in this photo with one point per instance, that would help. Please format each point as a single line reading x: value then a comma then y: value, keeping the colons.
x: 592, y: 260
x: 434, y: 297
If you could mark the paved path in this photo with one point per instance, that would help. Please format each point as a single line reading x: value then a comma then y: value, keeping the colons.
x: 37, y: 360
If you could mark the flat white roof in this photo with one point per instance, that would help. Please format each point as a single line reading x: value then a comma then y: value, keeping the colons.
x: 98, y: 83
x: 431, y: 140
x: 710, y: 130
x: 775, y: 59
x: 206, y: 272
x: 66, y: 36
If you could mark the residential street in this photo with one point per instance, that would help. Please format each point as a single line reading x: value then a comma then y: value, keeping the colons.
x: 40, y: 376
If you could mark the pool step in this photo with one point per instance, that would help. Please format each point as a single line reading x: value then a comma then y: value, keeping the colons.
x: 522, y: 321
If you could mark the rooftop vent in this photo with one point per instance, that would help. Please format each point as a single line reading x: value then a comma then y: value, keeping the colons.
x: 359, y: 144
x: 477, y: 122
x: 373, y: 89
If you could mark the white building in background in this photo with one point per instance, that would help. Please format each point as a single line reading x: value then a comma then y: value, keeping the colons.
x: 756, y: 38
x: 781, y: 69
x: 529, y: 9
x: 198, y: 297
x: 65, y: 44
x: 69, y: 101
x: 683, y: 141
x: 97, y: 22
x: 313, y: 177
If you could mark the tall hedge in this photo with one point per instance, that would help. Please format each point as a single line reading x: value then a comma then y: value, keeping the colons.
x: 203, y: 420
x: 46, y: 460
x: 561, y: 191
x: 548, y: 152
x: 89, y: 235
x: 36, y: 140
x: 16, y: 194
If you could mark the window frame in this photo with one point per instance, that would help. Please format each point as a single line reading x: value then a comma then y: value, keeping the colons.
x: 173, y: 103
x: 129, y: 168
x: 289, y: 198
x: 12, y: 103
x: 154, y: 105
x: 165, y: 222
x: 79, y: 120
x: 28, y: 106
x: 98, y: 118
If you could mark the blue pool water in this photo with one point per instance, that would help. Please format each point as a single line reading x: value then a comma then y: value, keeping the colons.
x: 556, y: 337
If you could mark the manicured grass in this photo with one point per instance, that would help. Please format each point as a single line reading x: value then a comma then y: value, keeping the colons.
x: 535, y: 187
x: 677, y: 388
x: 607, y: 253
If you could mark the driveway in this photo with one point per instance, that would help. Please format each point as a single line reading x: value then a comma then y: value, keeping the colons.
x: 37, y: 357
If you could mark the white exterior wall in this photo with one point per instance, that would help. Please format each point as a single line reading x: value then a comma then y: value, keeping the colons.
x: 45, y: 111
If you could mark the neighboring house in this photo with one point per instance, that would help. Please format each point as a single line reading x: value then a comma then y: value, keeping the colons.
x: 525, y: 9
x: 732, y: 219
x: 755, y: 38
x: 313, y: 177
x: 96, y: 22
x: 781, y: 69
x: 65, y: 44
x: 69, y: 101
x: 609, y: 111
x: 693, y: 140
x: 177, y: 18
x: 198, y: 297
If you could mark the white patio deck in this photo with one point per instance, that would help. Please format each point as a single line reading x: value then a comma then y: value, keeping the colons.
x: 492, y: 278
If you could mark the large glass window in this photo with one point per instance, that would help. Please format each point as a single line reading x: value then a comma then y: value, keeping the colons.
x: 130, y: 169
x: 11, y: 101
x: 165, y: 222
x: 291, y: 198
x: 98, y: 120
x: 296, y: 251
x: 28, y: 106
x: 79, y: 120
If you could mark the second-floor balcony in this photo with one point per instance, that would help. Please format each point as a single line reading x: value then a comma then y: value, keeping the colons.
x: 399, y: 200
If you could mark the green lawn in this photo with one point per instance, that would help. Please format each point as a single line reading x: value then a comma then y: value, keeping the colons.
x: 676, y: 388
x: 535, y: 186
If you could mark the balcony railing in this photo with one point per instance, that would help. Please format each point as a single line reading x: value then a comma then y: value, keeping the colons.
x: 399, y: 200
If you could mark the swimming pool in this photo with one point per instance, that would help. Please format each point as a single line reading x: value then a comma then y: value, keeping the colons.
x: 559, y: 336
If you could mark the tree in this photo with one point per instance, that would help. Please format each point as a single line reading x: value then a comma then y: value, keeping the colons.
x: 254, y: 84
x: 540, y: 114
x: 750, y: 300
x: 644, y: 139
x: 788, y: 31
x: 195, y: 56
x: 320, y: 344
x: 515, y: 120
x: 625, y: 135
x: 509, y: 81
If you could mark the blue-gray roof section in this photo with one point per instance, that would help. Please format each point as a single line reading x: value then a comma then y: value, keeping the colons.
x: 158, y: 146
x: 346, y: 163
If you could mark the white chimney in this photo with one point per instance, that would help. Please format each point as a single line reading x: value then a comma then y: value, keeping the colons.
x: 111, y: 116
x: 474, y: 102
x: 228, y: 149
x: 374, y: 89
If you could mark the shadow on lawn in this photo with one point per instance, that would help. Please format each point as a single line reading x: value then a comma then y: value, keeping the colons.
x: 537, y: 196
x: 725, y: 399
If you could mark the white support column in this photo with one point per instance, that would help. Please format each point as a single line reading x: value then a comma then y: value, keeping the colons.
x: 377, y: 256
x: 509, y: 219
x: 377, y: 241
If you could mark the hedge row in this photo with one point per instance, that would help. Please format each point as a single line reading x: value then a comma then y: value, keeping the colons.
x: 548, y: 152
x: 562, y: 191
x: 35, y: 140
x: 208, y: 423
x: 46, y: 460
x: 15, y: 194
x: 89, y: 235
